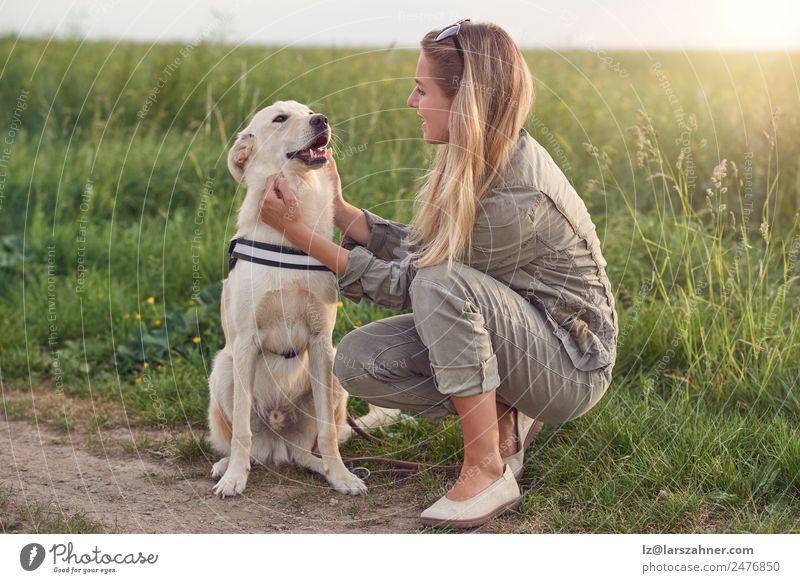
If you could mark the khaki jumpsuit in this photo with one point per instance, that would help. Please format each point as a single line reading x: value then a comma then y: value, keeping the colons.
x: 531, y: 315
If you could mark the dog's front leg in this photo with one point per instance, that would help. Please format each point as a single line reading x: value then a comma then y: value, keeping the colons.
x: 234, y: 479
x: 321, y: 356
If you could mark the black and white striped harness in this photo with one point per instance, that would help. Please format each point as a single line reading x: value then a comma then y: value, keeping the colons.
x: 276, y: 256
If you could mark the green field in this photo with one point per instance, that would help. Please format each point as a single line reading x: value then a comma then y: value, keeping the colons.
x: 116, y: 207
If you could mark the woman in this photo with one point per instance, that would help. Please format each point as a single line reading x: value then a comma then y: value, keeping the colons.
x: 513, y: 321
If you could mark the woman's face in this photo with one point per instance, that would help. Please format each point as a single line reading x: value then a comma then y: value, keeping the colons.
x: 431, y: 104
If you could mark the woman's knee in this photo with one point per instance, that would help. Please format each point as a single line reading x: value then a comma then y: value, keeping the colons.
x: 351, y: 355
x: 437, y: 273
x: 435, y: 286
x: 435, y: 291
x: 434, y: 277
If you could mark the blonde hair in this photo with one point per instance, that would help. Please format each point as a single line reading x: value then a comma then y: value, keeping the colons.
x: 492, y: 95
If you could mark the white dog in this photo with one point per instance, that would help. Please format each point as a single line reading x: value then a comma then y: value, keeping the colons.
x: 273, y: 392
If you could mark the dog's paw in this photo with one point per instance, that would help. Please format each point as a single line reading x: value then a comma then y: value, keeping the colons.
x: 219, y: 468
x: 347, y: 482
x: 343, y: 433
x: 231, y: 483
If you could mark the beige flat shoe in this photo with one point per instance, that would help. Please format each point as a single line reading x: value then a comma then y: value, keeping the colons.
x: 529, y: 428
x: 490, y: 502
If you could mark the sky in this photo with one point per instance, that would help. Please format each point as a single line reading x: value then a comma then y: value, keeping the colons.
x: 740, y: 25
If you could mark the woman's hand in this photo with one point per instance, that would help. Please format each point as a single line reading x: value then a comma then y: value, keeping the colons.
x: 333, y: 175
x: 278, y: 207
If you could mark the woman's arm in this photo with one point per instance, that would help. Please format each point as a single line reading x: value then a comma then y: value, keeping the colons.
x: 361, y: 273
x: 359, y: 226
x: 328, y: 252
x: 385, y: 237
x: 352, y: 221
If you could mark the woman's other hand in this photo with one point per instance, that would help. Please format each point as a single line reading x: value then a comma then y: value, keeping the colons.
x: 279, y: 208
x: 333, y: 175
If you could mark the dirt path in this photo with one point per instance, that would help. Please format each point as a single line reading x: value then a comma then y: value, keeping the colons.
x: 109, y: 480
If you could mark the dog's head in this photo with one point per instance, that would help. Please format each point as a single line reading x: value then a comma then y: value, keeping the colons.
x: 285, y: 133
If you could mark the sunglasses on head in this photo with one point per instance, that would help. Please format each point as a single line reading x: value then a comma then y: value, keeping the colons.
x: 452, y: 31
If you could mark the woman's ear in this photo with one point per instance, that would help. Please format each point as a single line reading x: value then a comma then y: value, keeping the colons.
x: 239, y: 154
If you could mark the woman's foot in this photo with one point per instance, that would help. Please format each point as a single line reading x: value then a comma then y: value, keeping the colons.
x: 499, y: 496
x: 474, y: 478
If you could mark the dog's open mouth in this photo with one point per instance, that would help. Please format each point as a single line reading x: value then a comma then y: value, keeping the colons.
x: 313, y: 154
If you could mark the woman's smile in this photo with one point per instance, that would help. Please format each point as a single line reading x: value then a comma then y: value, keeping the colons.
x: 431, y: 102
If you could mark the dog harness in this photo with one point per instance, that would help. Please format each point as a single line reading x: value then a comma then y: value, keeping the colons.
x: 275, y: 255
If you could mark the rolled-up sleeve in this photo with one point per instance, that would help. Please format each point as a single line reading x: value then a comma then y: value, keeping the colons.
x: 381, y: 270
x: 386, y: 237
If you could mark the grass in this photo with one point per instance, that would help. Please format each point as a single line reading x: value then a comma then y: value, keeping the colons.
x: 115, y: 230
x: 43, y: 519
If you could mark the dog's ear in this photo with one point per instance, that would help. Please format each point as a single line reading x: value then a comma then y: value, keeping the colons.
x: 240, y: 153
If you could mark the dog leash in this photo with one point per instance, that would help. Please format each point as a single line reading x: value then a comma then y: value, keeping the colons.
x: 400, y: 467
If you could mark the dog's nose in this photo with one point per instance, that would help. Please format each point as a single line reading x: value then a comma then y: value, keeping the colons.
x: 318, y: 121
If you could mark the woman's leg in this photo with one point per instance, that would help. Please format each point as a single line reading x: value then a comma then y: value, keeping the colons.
x: 482, y: 461
x: 484, y: 339
x: 385, y: 363
x: 470, y: 319
x: 466, y: 368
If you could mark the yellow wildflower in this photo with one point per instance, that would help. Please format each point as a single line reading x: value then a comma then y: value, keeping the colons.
x: 138, y: 316
x: 151, y: 300
x: 196, y: 340
x: 156, y: 323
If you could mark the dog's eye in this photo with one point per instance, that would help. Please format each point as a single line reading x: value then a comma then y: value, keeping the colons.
x: 280, y: 118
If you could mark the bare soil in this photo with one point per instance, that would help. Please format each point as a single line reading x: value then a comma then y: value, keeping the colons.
x: 77, y: 465
x: 136, y: 493
x: 71, y: 463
